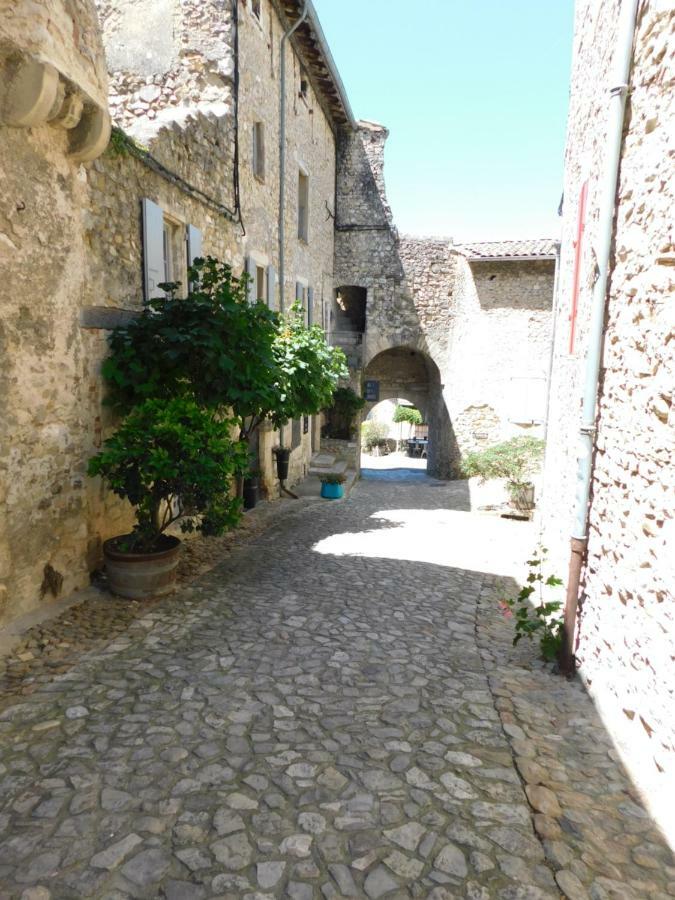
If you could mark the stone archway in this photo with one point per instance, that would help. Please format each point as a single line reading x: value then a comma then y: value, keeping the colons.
x: 405, y: 371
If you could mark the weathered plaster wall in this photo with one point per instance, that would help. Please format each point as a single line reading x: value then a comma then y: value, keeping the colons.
x: 47, y: 387
x: 485, y: 324
x: 626, y: 626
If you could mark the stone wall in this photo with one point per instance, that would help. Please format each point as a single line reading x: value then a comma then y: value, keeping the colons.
x: 47, y: 386
x: 626, y: 625
x: 71, y: 238
x: 484, y: 324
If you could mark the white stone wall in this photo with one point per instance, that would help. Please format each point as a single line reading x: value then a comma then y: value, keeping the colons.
x: 626, y: 624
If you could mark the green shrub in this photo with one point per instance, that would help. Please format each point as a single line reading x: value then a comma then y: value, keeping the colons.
x: 333, y: 478
x: 173, y: 460
x: 514, y: 460
x: 374, y: 434
x: 407, y: 414
x: 544, y: 619
x: 346, y: 404
x: 307, y: 369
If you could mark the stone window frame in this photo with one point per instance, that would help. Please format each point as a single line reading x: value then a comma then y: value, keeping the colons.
x: 303, y: 222
x: 258, y: 261
x: 258, y: 149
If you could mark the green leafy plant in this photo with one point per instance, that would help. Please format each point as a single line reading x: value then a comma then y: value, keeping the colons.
x: 374, y: 434
x: 346, y: 404
x: 333, y: 478
x: 307, y: 369
x: 173, y: 460
x: 537, y: 616
x: 212, y: 345
x: 407, y: 414
x: 514, y: 460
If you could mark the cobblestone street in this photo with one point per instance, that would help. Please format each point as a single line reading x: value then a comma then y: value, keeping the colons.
x: 334, y: 711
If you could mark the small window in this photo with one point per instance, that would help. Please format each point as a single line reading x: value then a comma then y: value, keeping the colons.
x: 260, y: 283
x: 303, y: 206
x: 173, y: 246
x: 304, y: 88
x: 256, y: 8
x: 258, y: 139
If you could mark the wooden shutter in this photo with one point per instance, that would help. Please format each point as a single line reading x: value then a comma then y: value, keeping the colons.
x: 194, y: 247
x: 194, y: 244
x: 250, y: 271
x: 153, y: 248
x: 271, y: 287
x: 310, y: 305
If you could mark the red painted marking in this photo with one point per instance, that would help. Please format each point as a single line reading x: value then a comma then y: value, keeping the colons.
x: 578, y: 248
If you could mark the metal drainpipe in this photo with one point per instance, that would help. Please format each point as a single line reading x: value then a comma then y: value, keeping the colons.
x: 606, y: 209
x: 282, y: 169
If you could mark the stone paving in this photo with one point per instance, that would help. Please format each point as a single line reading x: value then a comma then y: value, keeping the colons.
x: 316, y: 717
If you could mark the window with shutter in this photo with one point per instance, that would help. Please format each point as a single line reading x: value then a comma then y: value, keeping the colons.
x: 258, y: 140
x: 303, y: 206
x: 153, y: 248
x: 310, y: 305
x: 271, y: 287
x: 249, y: 268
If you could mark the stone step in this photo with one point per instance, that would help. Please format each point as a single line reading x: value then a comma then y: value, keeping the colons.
x: 338, y: 468
x: 322, y: 461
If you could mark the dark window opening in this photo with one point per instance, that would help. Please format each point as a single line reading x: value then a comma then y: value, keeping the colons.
x: 350, y: 302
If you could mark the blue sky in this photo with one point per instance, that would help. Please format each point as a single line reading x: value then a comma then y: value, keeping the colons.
x: 474, y: 93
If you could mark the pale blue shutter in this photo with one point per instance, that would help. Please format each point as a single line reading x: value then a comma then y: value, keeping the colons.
x: 194, y: 247
x: 250, y: 271
x: 194, y: 244
x: 271, y: 287
x: 153, y: 248
x: 310, y: 305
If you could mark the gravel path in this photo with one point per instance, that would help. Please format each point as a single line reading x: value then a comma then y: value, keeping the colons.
x: 316, y: 717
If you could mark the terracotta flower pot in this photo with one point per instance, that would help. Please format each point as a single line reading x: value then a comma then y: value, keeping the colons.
x: 139, y: 576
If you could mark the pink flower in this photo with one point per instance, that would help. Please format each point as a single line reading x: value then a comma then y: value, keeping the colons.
x: 505, y: 609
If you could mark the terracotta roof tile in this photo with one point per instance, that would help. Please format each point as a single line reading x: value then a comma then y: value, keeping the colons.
x: 525, y: 249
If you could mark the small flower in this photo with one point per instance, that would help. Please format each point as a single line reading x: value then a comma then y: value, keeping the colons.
x: 505, y: 609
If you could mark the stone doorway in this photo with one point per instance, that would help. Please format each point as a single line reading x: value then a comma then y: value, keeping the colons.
x: 410, y: 373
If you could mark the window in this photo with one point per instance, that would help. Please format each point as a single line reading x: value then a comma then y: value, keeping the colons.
x: 258, y: 140
x: 169, y: 247
x: 304, y: 295
x: 304, y: 89
x: 260, y: 283
x: 303, y: 206
x: 256, y: 8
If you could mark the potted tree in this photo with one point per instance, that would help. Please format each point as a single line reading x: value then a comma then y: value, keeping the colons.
x: 515, y: 460
x: 173, y: 460
x: 332, y: 486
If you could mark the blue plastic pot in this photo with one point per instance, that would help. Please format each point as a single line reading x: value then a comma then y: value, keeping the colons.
x: 332, y: 491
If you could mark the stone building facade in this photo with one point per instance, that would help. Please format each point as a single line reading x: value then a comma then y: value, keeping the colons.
x: 53, y: 118
x: 461, y: 330
x: 85, y: 236
x: 626, y: 624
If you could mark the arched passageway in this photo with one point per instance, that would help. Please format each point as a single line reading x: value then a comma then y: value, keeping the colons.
x: 410, y: 373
